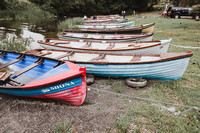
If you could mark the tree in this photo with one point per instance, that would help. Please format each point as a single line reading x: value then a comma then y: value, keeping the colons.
x: 3, y: 4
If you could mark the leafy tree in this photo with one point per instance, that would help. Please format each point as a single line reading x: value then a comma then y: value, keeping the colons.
x: 3, y: 4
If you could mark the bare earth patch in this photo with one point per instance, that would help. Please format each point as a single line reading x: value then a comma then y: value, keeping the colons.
x: 97, y: 114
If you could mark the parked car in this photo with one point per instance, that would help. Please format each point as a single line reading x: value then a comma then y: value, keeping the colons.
x: 177, y: 12
x: 196, y: 13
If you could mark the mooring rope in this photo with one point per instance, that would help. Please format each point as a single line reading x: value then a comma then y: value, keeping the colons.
x: 185, y: 46
x: 149, y: 100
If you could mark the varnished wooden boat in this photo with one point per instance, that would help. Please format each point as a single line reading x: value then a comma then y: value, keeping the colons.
x: 106, y: 37
x: 147, y: 28
x: 145, y: 47
x: 163, y: 67
x: 40, y: 77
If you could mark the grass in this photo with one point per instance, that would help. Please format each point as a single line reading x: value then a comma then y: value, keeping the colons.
x: 16, y: 44
x: 63, y: 128
x: 150, y: 118
x: 147, y: 117
x: 69, y: 23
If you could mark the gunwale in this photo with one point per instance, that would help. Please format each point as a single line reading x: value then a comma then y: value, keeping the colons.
x: 125, y: 38
x: 117, y: 30
x: 93, y: 49
x: 24, y: 87
x: 163, y: 57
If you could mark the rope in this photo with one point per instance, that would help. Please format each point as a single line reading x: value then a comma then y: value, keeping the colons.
x: 149, y: 100
x: 185, y: 46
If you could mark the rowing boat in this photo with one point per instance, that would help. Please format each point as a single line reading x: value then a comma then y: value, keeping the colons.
x: 147, y: 28
x: 162, y: 67
x: 40, y: 77
x: 105, y: 37
x: 146, y: 47
x: 105, y: 25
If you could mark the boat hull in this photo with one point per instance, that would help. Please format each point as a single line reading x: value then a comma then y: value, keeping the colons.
x: 147, y: 28
x: 161, y: 71
x: 157, y: 49
x: 53, y: 79
x: 143, y: 38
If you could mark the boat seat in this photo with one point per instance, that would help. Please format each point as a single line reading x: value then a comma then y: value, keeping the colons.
x: 102, y: 36
x: 87, y: 45
x: 21, y: 57
x: 48, y: 53
x: 112, y: 45
x: 65, y: 55
x: 136, y: 57
x: 85, y: 35
x: 4, y: 76
x: 101, y: 56
x: 3, y: 53
x: 36, y: 63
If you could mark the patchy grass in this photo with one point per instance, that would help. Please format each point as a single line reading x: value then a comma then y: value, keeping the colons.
x: 150, y: 118
x: 184, y: 91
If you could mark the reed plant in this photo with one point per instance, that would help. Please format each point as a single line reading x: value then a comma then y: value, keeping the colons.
x: 15, y: 44
x: 70, y: 23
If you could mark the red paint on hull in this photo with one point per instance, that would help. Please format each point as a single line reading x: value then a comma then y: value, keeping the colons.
x: 74, y: 96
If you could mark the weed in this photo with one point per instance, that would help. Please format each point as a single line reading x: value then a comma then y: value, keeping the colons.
x: 63, y: 128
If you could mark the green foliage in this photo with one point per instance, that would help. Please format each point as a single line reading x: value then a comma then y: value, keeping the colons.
x: 23, y: 10
x: 69, y: 23
x: 149, y: 118
x: 63, y: 128
x: 15, y: 44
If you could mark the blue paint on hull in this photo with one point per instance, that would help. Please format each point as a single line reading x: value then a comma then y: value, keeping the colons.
x: 47, y: 90
x: 163, y: 71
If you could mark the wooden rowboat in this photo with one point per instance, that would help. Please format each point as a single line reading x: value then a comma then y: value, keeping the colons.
x: 106, y: 37
x: 147, y: 28
x: 163, y: 67
x: 108, y: 20
x: 146, y: 47
x: 105, y: 25
x: 40, y: 77
x: 116, y: 16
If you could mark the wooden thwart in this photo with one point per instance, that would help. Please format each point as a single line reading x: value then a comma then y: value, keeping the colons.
x: 3, y: 53
x: 87, y: 45
x: 136, y: 57
x: 65, y: 55
x: 101, y: 56
x: 102, y: 36
x: 22, y: 56
x: 38, y: 62
x: 112, y: 45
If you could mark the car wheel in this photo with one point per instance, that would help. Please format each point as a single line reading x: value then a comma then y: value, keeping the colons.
x: 89, y: 79
x: 176, y: 16
x: 197, y: 17
x: 136, y: 82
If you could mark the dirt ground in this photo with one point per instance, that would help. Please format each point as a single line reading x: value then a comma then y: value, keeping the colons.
x: 97, y: 114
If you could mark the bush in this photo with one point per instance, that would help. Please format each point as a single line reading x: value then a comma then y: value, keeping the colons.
x: 69, y: 23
